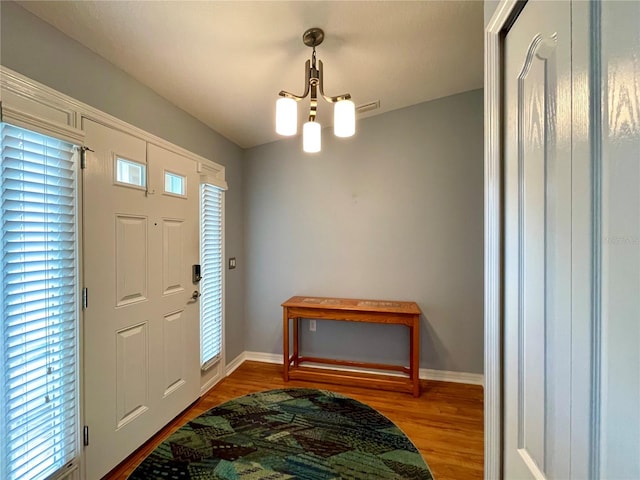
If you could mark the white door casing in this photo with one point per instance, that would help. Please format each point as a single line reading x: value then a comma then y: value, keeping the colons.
x: 141, y: 324
x: 619, y: 434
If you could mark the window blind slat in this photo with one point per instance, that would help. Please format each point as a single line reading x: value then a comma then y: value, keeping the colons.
x: 21, y: 141
x: 44, y: 356
x: 34, y: 197
x: 211, y: 283
x: 38, y: 340
x: 36, y: 166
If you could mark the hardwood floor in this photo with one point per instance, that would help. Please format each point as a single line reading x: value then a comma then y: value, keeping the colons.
x: 445, y: 423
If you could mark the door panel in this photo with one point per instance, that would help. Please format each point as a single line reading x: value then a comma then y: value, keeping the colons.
x: 141, y: 326
x: 132, y: 372
x: 172, y: 261
x: 538, y: 243
x: 131, y: 259
x: 174, y: 336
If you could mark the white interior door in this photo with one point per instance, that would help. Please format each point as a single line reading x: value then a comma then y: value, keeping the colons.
x: 538, y: 243
x: 141, y: 325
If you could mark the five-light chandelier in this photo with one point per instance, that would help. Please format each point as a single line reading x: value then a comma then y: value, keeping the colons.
x: 344, y: 115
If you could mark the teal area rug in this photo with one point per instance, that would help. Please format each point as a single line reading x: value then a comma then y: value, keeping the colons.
x: 290, y: 433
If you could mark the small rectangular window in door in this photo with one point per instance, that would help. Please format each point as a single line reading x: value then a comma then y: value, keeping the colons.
x: 131, y: 173
x: 175, y: 184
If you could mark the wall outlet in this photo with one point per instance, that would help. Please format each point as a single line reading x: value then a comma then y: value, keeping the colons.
x: 312, y: 325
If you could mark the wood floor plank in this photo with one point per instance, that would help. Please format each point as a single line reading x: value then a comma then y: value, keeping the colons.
x: 445, y: 423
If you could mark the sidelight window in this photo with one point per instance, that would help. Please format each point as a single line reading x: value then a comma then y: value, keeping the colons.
x: 39, y: 305
x: 211, y: 286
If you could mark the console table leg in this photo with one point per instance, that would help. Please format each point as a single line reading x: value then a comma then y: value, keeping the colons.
x: 296, y: 351
x: 415, y: 356
x: 285, y: 344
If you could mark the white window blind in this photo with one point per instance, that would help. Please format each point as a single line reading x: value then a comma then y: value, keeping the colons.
x: 211, y: 271
x: 38, y: 343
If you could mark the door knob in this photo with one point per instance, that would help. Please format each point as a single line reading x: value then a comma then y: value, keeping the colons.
x: 195, y: 295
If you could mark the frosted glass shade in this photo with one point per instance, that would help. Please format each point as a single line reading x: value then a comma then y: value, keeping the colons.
x: 311, y: 137
x: 286, y: 116
x: 344, y: 118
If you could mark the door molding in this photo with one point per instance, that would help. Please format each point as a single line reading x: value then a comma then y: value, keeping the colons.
x: 502, y: 19
x: 27, y: 98
x: 31, y: 104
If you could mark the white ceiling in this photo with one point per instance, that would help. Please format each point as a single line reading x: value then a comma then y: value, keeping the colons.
x: 225, y: 62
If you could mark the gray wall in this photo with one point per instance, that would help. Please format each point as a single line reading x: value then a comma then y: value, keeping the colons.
x: 394, y: 213
x: 35, y: 49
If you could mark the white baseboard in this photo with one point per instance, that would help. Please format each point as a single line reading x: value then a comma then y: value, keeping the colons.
x: 209, y: 385
x: 424, y: 373
x: 213, y: 381
x: 264, y: 357
x: 455, y: 377
x: 235, y: 363
x: 228, y: 370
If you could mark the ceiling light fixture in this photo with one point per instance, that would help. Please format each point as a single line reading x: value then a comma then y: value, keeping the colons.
x: 344, y: 113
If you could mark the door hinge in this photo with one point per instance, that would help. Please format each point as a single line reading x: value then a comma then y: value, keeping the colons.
x: 85, y: 298
x: 83, y: 156
x: 85, y: 435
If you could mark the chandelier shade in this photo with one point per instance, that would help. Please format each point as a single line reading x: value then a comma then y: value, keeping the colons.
x: 344, y: 118
x: 311, y: 137
x: 344, y: 122
x: 286, y: 117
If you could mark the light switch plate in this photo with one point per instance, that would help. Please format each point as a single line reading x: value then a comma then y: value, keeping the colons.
x: 232, y: 263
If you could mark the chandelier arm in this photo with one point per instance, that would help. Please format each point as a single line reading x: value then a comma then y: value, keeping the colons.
x: 327, y: 98
x: 307, y: 74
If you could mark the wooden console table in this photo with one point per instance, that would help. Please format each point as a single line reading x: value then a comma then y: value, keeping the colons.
x: 352, y: 310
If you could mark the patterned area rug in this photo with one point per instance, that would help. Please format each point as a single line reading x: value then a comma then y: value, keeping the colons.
x: 289, y: 433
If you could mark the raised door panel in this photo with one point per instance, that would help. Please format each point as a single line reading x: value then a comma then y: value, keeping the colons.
x: 538, y: 244
x: 131, y: 259
x: 173, y: 266
x: 174, y: 331
x: 132, y: 370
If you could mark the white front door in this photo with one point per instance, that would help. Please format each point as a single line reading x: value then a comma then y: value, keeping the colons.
x: 541, y: 378
x: 141, y: 329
